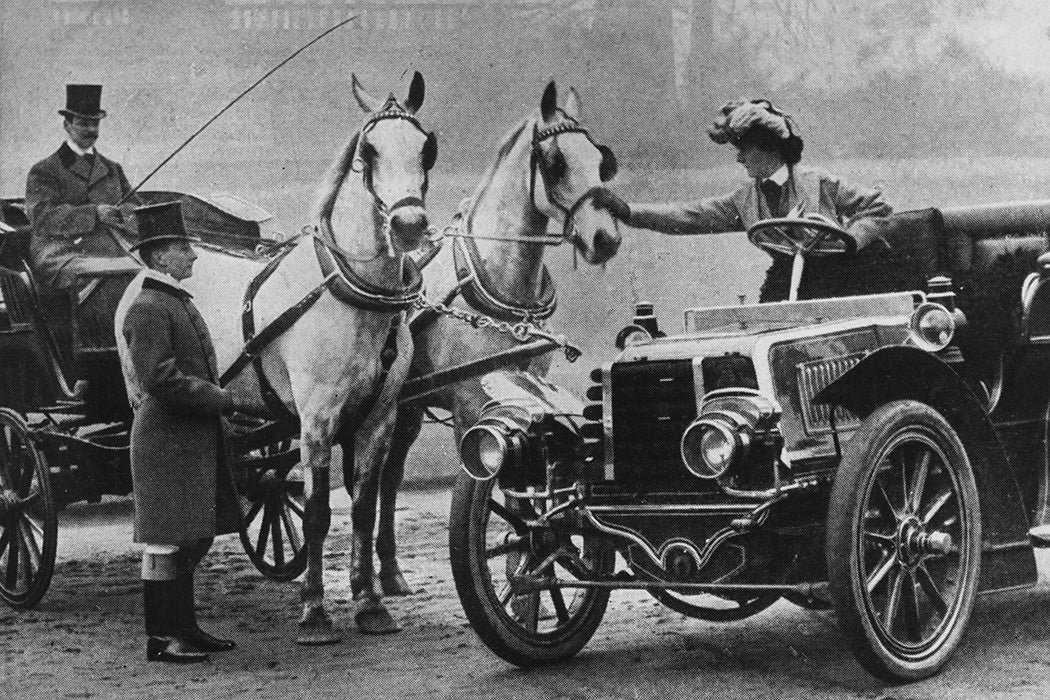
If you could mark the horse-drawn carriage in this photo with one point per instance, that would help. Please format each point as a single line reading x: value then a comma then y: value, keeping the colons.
x: 64, y: 413
x: 881, y: 452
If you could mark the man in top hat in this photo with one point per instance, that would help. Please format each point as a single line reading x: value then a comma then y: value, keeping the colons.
x: 72, y: 201
x: 769, y: 148
x: 182, y: 486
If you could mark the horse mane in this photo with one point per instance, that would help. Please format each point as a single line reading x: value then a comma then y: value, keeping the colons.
x: 328, y: 192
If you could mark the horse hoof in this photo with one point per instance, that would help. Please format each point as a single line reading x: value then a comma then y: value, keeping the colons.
x: 316, y: 629
x: 395, y: 585
x: 373, y: 618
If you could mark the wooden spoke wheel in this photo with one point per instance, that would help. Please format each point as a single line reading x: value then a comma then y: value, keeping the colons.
x: 28, y: 516
x: 490, y: 545
x: 270, y: 486
x: 904, y: 541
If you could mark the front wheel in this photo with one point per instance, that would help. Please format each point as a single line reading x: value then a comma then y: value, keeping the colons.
x: 490, y: 545
x: 904, y: 541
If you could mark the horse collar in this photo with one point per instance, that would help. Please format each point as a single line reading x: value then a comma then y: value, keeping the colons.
x: 477, y: 290
x: 350, y: 288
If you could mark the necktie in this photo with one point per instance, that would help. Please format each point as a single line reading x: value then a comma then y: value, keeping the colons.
x: 772, y: 192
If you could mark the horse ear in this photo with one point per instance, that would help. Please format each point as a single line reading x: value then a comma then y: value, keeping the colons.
x: 430, y: 151
x: 572, y: 105
x: 416, y: 92
x: 549, y: 101
x: 367, y: 102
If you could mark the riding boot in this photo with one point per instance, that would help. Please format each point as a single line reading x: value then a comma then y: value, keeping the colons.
x: 186, y: 608
x: 161, y: 643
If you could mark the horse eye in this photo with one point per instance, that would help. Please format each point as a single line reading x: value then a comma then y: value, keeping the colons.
x: 368, y: 153
x: 556, y: 165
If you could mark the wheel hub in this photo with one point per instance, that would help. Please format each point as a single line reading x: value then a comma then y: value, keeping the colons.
x: 914, y: 542
x: 9, y: 502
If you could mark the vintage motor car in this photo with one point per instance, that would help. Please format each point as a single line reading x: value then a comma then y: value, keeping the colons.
x: 875, y: 445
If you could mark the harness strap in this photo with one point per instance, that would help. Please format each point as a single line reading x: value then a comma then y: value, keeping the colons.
x: 254, y: 344
x: 348, y: 287
x: 387, y: 357
x: 470, y: 273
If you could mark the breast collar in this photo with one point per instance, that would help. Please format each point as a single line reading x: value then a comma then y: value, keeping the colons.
x: 349, y: 287
x: 476, y: 287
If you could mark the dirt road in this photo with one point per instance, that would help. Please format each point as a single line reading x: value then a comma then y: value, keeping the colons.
x: 85, y: 640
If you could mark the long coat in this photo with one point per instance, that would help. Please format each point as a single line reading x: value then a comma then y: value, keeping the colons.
x: 182, y: 486
x: 63, y: 192
x: 862, y: 212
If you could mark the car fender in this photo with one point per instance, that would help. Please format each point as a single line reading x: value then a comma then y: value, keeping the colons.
x: 903, y: 372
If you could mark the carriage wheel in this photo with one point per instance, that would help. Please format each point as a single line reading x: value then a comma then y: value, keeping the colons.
x: 271, y: 493
x: 489, y: 544
x: 28, y: 517
x: 904, y: 541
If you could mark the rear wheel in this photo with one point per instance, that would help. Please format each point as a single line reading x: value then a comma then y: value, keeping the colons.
x: 490, y: 545
x: 904, y: 541
x: 28, y: 515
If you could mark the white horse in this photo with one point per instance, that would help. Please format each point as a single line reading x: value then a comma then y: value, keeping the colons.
x: 547, y: 168
x: 334, y: 368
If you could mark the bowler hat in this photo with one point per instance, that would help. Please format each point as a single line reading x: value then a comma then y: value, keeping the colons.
x: 160, y: 223
x: 83, y: 101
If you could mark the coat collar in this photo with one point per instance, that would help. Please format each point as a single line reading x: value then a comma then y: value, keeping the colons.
x: 79, y: 166
x: 152, y: 279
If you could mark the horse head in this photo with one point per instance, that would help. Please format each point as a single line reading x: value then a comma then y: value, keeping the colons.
x: 568, y: 169
x: 394, y: 155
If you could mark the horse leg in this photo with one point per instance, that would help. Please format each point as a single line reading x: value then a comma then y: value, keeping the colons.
x: 406, y: 431
x: 315, y: 627
x: 369, y: 453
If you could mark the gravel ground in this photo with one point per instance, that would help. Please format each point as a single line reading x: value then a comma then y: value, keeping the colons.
x: 86, y: 640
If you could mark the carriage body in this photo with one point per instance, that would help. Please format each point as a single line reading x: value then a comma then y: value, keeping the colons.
x: 65, y: 416
x: 881, y: 451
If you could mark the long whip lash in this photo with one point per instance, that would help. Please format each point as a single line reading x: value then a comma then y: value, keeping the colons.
x: 235, y: 101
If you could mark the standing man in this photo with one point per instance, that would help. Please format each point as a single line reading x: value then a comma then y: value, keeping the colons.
x: 182, y: 485
x: 72, y: 201
x: 769, y: 148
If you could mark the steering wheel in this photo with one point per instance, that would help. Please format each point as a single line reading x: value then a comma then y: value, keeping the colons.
x: 813, y: 235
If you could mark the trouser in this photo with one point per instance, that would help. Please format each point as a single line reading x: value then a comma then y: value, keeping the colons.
x: 167, y: 584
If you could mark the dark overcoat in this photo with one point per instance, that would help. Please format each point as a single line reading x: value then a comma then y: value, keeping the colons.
x: 183, y: 488
x: 63, y: 192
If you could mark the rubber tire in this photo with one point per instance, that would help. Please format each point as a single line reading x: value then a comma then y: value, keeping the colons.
x: 497, y: 630
x: 843, y: 526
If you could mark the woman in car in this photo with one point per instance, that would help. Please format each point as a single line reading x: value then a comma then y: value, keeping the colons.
x: 769, y: 148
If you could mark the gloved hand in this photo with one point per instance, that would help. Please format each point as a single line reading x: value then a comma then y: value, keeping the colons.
x: 604, y: 199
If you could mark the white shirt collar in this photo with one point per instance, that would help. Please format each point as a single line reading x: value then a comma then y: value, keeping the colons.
x: 780, y: 176
x: 78, y: 150
x: 162, y: 277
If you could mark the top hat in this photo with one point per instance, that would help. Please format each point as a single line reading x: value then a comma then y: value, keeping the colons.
x: 159, y: 223
x: 83, y: 101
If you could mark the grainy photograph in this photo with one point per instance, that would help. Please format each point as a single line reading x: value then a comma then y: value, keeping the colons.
x: 539, y: 349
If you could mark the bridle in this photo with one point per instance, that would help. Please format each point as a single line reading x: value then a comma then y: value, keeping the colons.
x: 392, y: 110
x: 606, y: 171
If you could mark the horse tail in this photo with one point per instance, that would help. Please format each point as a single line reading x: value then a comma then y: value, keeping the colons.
x: 333, y: 180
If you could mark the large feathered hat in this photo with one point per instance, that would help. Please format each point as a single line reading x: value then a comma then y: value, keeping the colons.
x: 741, y: 120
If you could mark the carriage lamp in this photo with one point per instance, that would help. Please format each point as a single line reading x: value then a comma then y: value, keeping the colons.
x: 931, y: 327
